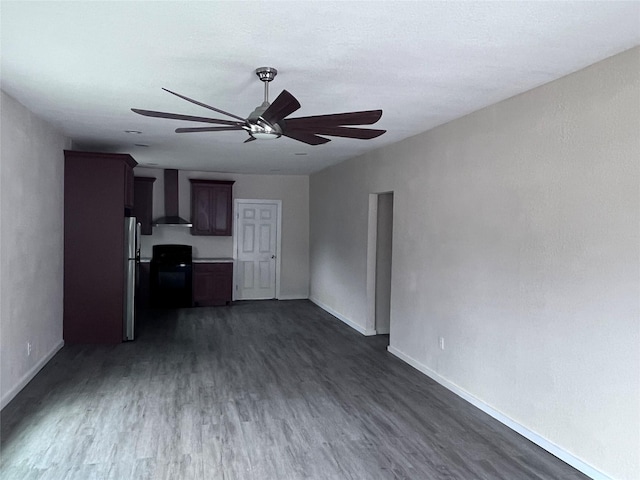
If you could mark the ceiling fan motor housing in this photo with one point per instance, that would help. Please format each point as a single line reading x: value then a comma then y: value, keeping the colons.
x: 258, y: 127
x: 266, y: 74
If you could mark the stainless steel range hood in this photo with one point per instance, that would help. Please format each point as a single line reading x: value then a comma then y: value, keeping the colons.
x: 171, y: 218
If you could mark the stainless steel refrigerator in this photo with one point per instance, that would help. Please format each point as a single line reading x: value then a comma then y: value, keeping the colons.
x: 131, y: 260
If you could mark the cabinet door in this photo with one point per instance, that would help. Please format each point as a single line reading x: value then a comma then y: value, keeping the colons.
x: 221, y: 206
x: 203, y: 285
x: 201, y: 213
x: 223, y: 291
x: 211, y: 207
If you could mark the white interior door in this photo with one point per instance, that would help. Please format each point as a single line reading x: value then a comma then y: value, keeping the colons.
x: 257, y: 239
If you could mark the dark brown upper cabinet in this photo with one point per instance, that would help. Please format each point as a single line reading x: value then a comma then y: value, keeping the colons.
x: 211, y: 207
x: 143, y: 203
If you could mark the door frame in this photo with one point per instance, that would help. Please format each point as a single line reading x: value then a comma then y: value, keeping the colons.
x: 372, y: 250
x: 236, y: 215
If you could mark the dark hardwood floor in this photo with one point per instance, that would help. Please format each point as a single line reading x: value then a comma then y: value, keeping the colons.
x: 256, y: 391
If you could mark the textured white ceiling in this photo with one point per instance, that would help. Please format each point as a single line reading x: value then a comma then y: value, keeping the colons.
x: 83, y: 65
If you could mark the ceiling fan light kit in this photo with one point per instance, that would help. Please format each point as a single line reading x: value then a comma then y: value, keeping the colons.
x: 265, y: 135
x: 268, y: 121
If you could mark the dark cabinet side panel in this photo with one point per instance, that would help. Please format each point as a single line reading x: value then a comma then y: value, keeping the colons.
x: 94, y: 199
x: 143, y: 290
x: 128, y: 187
x: 143, y: 203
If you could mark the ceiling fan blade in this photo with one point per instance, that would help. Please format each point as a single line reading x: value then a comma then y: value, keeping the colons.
x: 207, y: 129
x: 203, y: 105
x: 346, y: 132
x: 285, y: 104
x: 177, y: 116
x: 250, y: 139
x: 306, y: 137
x: 368, y: 117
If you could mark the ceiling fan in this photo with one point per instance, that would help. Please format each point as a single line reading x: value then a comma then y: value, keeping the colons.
x: 268, y: 121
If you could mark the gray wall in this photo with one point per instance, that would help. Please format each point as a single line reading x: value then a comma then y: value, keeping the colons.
x: 516, y: 239
x: 293, y: 190
x: 31, y: 244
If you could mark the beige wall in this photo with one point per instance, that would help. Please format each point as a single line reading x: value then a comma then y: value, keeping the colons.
x: 293, y: 190
x: 516, y: 238
x: 31, y: 244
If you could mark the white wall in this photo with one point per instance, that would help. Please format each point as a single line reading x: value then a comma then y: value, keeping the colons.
x: 516, y: 238
x: 31, y: 244
x: 293, y: 190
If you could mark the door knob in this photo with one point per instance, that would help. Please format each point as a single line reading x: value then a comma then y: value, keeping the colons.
x: 273, y: 256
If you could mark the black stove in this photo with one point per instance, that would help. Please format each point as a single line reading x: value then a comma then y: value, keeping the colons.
x: 171, y: 276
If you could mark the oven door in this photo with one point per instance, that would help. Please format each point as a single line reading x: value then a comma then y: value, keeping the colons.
x: 171, y: 285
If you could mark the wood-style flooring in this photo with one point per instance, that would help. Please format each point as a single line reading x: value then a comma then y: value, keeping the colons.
x: 256, y: 391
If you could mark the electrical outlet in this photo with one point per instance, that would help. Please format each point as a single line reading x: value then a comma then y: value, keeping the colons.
x: 28, y: 348
x: 441, y: 343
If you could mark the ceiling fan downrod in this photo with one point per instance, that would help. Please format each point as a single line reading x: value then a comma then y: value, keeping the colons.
x: 258, y: 127
x: 266, y: 74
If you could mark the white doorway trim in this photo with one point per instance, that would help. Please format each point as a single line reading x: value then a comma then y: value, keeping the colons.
x: 372, y: 248
x: 236, y: 204
x: 372, y: 260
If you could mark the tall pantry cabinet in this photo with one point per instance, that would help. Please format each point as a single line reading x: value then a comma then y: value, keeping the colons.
x: 98, y: 194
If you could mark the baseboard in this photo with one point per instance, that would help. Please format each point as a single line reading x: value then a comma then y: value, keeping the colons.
x: 542, y: 442
x: 342, y: 318
x: 293, y: 297
x: 27, y: 377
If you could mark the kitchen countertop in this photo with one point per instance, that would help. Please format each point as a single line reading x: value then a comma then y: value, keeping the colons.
x: 212, y: 260
x: 198, y: 260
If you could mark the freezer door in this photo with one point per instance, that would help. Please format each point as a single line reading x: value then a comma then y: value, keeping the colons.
x: 130, y: 237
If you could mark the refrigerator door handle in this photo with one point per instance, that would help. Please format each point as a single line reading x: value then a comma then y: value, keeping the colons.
x: 130, y: 300
x: 138, y: 237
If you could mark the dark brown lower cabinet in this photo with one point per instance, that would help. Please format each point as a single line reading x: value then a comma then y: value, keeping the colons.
x: 212, y: 284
